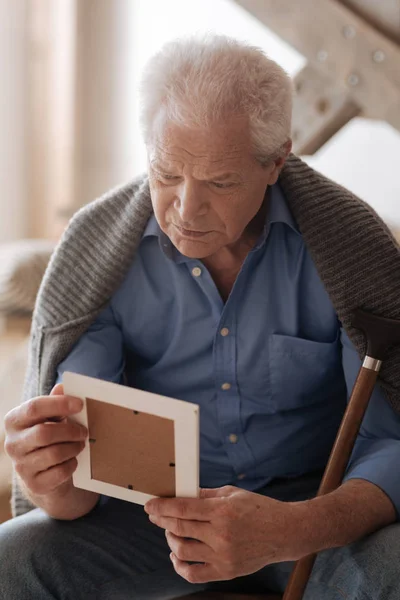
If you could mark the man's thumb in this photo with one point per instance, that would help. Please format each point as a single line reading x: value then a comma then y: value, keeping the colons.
x: 58, y: 390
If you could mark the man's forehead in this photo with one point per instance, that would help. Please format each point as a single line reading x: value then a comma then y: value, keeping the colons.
x: 216, y: 160
x: 216, y: 170
x: 228, y: 141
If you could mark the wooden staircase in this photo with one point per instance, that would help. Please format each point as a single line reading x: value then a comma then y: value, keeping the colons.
x: 353, y: 53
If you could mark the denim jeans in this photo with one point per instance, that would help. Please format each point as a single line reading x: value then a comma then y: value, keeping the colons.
x: 116, y: 553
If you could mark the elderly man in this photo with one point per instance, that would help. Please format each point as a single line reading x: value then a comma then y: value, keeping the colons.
x: 217, y: 279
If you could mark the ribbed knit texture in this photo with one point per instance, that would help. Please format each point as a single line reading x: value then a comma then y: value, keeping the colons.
x: 356, y: 256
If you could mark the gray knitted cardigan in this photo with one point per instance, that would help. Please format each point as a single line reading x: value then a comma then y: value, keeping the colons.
x: 356, y: 256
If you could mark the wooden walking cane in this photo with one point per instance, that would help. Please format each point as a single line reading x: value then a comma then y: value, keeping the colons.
x: 381, y: 333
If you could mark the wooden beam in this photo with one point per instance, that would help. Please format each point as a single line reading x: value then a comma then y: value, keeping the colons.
x: 382, y: 14
x: 342, y: 45
x: 320, y: 109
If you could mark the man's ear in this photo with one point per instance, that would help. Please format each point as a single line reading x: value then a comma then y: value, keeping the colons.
x: 279, y: 162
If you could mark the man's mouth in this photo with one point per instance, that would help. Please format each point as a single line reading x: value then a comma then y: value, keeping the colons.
x: 190, y: 232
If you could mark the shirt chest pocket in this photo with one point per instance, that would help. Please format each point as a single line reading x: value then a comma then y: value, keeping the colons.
x: 303, y: 372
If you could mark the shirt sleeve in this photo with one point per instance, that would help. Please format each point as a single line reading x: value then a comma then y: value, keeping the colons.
x: 376, y: 454
x: 98, y: 352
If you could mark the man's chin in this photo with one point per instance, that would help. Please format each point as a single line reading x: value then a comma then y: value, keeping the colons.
x: 194, y: 248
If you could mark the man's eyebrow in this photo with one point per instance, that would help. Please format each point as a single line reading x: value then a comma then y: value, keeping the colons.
x: 157, y: 164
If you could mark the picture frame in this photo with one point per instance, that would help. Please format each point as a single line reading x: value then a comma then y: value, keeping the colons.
x: 140, y: 445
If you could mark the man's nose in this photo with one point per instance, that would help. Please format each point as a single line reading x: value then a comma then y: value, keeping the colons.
x: 189, y: 202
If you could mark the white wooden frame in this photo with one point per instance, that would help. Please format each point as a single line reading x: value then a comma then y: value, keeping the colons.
x: 186, y: 426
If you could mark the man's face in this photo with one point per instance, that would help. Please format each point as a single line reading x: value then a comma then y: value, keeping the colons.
x: 205, y: 185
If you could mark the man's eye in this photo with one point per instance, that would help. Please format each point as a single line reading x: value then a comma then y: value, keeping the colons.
x: 165, y: 176
x: 222, y: 186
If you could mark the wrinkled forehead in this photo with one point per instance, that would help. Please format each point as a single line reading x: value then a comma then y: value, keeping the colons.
x: 177, y: 157
x: 226, y: 145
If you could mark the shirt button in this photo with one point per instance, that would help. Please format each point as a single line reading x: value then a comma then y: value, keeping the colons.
x: 241, y: 476
x: 196, y: 271
x: 233, y: 438
x: 224, y: 331
x: 226, y: 386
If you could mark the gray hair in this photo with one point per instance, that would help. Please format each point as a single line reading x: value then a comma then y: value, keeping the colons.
x: 209, y: 79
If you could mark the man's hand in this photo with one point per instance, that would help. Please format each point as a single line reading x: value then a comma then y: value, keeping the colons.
x: 230, y: 531
x: 43, y: 441
x: 234, y: 533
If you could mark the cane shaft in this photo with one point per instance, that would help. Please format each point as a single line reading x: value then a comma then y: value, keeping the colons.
x: 348, y: 431
x: 336, y: 467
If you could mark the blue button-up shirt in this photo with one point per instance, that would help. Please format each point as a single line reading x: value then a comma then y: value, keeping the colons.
x: 271, y: 368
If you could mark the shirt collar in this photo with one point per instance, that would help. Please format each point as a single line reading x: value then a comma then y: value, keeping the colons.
x: 154, y: 230
x: 278, y: 212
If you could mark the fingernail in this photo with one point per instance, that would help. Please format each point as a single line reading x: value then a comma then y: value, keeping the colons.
x: 75, y: 404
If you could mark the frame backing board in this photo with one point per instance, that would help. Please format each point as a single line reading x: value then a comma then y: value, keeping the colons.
x: 140, y: 444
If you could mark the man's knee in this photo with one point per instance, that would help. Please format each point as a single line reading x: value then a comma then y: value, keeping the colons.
x: 26, y: 543
x: 379, y: 552
x: 17, y: 541
x: 370, y: 566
